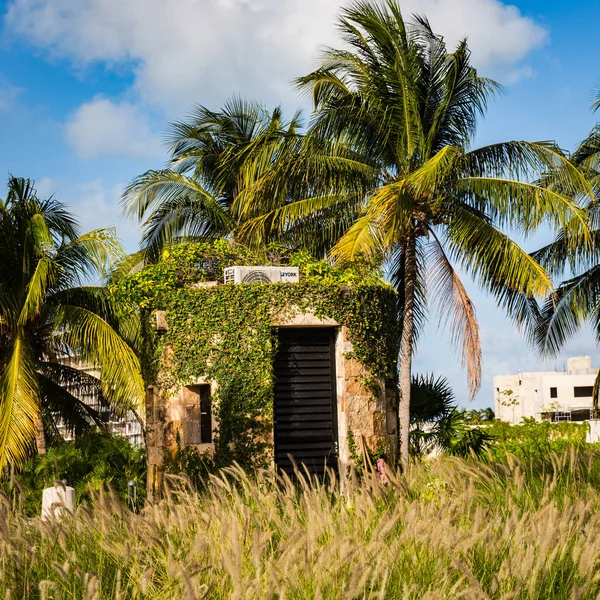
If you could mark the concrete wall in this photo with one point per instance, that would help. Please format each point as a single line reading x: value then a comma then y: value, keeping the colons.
x: 593, y: 434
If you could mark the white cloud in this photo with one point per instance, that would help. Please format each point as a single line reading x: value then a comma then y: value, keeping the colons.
x: 95, y: 203
x: 8, y: 94
x: 183, y: 51
x: 45, y: 187
x: 103, y: 127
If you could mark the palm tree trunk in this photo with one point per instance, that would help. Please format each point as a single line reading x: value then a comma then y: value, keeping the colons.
x: 406, y: 345
x: 40, y: 435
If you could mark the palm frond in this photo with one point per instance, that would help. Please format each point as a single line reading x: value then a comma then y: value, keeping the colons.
x: 122, y: 383
x: 525, y: 206
x: 19, y: 404
x: 92, y: 254
x: 43, y: 277
x: 565, y: 310
x: 395, y: 271
x: 60, y: 402
x: 455, y: 309
x: 497, y: 262
x: 431, y: 398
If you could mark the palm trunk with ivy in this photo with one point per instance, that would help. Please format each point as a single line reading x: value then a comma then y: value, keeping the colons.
x: 406, y: 345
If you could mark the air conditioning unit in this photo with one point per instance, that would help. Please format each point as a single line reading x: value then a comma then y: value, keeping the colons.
x: 261, y: 275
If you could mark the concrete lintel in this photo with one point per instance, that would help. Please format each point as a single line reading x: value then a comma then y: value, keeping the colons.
x: 297, y: 318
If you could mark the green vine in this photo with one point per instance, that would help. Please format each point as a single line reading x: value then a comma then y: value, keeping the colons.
x: 224, y: 333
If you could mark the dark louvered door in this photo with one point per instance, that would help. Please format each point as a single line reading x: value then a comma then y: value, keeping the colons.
x: 305, y: 400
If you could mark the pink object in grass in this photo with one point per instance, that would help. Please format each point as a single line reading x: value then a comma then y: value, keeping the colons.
x: 381, y: 471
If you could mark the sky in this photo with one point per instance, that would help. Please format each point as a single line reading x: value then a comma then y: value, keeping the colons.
x: 88, y: 88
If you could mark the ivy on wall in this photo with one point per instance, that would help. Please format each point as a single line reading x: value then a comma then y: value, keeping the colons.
x: 224, y: 333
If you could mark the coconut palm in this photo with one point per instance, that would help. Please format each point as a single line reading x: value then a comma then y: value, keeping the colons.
x: 479, y: 417
x: 437, y: 425
x: 577, y: 300
x: 193, y: 198
x: 390, y: 145
x: 49, y: 316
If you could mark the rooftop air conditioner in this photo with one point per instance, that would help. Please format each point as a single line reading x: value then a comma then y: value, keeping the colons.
x: 261, y: 275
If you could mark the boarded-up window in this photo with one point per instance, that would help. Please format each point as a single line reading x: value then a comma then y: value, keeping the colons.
x: 583, y: 391
x: 196, y: 425
x: 553, y: 392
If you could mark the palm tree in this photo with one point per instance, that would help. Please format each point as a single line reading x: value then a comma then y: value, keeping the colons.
x: 577, y: 300
x: 437, y: 424
x: 194, y: 198
x: 47, y: 314
x: 390, y: 145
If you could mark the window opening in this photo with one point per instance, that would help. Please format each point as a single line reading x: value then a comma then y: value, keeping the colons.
x: 583, y: 391
x: 196, y: 426
x: 205, y: 415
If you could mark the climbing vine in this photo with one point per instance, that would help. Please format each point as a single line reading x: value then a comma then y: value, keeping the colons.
x: 224, y: 333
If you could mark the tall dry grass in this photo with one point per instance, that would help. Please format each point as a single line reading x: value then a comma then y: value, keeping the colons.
x: 447, y: 529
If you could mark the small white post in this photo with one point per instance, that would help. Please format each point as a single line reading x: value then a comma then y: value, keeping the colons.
x: 593, y: 434
x: 57, y: 501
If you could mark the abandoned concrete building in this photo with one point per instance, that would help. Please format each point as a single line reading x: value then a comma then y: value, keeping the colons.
x: 328, y: 378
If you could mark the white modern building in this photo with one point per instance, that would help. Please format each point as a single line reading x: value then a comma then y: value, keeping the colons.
x: 552, y: 395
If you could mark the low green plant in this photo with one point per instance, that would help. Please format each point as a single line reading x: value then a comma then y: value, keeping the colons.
x: 532, y: 439
x: 89, y: 463
x: 437, y: 425
x: 191, y: 463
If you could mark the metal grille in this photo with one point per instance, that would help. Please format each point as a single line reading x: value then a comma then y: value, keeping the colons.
x: 229, y: 275
x: 305, y: 400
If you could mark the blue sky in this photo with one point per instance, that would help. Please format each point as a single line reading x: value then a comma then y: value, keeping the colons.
x: 87, y: 88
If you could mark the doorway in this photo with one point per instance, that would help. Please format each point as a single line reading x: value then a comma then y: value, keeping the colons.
x: 305, y: 428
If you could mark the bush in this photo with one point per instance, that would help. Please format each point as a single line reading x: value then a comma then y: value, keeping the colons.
x: 532, y: 439
x: 88, y: 463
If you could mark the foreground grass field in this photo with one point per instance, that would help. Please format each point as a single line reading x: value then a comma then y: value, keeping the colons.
x: 448, y: 529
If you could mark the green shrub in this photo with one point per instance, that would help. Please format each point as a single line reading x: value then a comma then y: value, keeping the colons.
x: 88, y: 463
x: 532, y: 439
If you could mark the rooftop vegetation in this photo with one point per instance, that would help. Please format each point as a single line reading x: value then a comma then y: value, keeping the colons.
x: 225, y: 333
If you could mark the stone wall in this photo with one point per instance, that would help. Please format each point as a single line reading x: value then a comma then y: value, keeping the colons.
x: 172, y: 421
x: 365, y: 405
x: 366, y: 410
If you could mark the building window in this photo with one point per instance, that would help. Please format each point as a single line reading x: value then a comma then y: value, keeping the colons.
x: 196, y: 425
x: 583, y: 391
x: 553, y: 392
